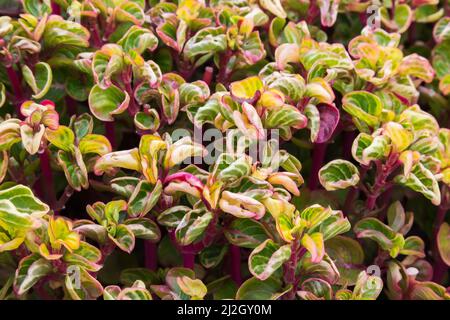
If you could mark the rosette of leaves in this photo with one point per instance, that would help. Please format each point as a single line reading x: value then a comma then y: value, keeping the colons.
x: 380, y: 63
x: 57, y: 252
x: 117, y: 70
x: 300, y: 241
x: 37, y: 29
x: 20, y: 213
x: 77, y: 149
x: 38, y: 117
x: 114, y: 225
x: 190, y: 33
x: 391, y: 237
x: 227, y: 201
x: 403, y: 137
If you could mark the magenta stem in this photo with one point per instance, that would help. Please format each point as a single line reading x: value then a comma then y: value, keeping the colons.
x: 439, y: 267
x: 318, y: 158
x: 348, y: 137
x: 235, y: 253
x: 71, y: 106
x: 150, y: 252
x: 383, y: 172
x: 16, y: 86
x: 47, y: 186
x: 56, y: 9
x: 110, y: 133
x: 208, y: 75
x: 188, y: 260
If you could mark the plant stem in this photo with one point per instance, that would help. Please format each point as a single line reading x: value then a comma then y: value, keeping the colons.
x: 383, y: 172
x: 188, y: 260
x: 222, y: 76
x: 318, y: 158
x: 290, y: 268
x: 71, y: 106
x: 439, y: 267
x: 348, y: 137
x: 150, y: 255
x: 208, y: 75
x: 68, y: 192
x: 110, y: 133
x: 47, y: 185
x: 56, y: 9
x: 349, y: 201
x: 17, y: 88
x: 235, y: 253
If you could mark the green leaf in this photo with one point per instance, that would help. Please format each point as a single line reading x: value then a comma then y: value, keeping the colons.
x: 94, y: 144
x: 377, y: 231
x: 423, y: 181
x: 9, y: 133
x: 104, y: 103
x: 443, y: 242
x: 247, y: 88
x: 348, y: 255
x: 39, y: 81
x: 403, y: 16
x: 205, y: 43
x: 138, y: 39
x: 172, y: 217
x: 148, y: 120
x: 317, y: 287
x: 255, y: 289
x: 364, y: 106
x: 267, y: 258
x: 338, y: 174
x: 74, y: 168
x: 123, y: 238
x: 24, y: 200
x: 211, y: 256
x: 63, y: 138
x: 30, y: 270
x: 246, y: 233
x: 367, y: 287
x: 144, y: 198
x: 82, y: 286
x: 314, y: 244
x: 275, y: 7
x: 441, y: 30
x: 192, y: 226
x: 144, y: 228
x: 12, y: 219
x: 60, y: 33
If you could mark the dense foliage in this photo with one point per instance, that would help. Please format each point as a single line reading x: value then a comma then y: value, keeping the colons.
x: 238, y: 149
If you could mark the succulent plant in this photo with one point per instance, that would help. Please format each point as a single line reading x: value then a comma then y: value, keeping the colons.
x: 225, y: 149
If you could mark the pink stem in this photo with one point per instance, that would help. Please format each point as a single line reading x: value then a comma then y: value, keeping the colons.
x: 317, y: 162
x: 348, y: 137
x: 47, y: 185
x: 208, y: 75
x: 439, y: 267
x: 188, y: 260
x: 235, y: 253
x: 16, y: 86
x: 110, y: 133
x: 71, y: 106
x: 151, y: 261
x: 56, y: 9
